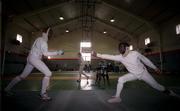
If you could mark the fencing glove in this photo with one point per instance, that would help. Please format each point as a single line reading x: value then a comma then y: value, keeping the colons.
x: 60, y: 52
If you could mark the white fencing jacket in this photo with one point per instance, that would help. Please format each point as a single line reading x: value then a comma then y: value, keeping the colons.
x: 132, y: 62
x: 40, y: 47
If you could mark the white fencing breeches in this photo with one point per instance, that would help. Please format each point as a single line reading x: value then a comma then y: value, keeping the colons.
x: 31, y: 63
x: 146, y: 77
x: 81, y: 71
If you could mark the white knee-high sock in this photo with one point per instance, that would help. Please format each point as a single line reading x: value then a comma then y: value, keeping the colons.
x: 12, y: 83
x: 119, y: 89
x: 45, y: 84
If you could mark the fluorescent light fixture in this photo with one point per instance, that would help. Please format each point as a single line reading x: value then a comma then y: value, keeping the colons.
x: 61, y: 18
x: 147, y: 41
x: 85, y: 44
x: 178, y: 29
x: 86, y: 56
x: 19, y: 38
x: 131, y: 47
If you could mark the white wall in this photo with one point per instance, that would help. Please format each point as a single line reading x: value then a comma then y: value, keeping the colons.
x: 154, y: 38
x: 11, y: 32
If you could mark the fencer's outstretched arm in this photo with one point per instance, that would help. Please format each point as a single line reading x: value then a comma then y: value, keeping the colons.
x: 44, y: 49
x: 146, y: 61
x: 106, y: 56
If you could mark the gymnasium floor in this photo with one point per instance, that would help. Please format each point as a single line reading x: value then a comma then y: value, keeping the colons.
x: 68, y: 95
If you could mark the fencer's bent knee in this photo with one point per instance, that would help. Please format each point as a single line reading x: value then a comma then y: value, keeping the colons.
x: 21, y: 77
x: 49, y: 74
x: 121, y: 80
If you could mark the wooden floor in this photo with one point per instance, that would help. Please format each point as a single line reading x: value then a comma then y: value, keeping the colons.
x: 68, y: 95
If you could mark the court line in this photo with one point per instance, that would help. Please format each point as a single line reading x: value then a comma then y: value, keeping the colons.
x: 59, y: 78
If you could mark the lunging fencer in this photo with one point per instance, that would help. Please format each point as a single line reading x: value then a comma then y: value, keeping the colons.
x: 134, y: 63
x: 38, y: 49
x: 81, y: 68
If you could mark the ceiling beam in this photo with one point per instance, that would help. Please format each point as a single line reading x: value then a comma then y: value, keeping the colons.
x: 35, y: 12
x: 65, y: 21
x: 163, y: 20
x: 95, y: 18
x: 31, y: 24
x: 158, y: 14
x: 147, y: 7
x: 139, y: 27
x: 23, y: 28
x: 42, y: 20
x: 149, y: 24
x: 116, y: 27
x: 108, y: 35
x: 72, y: 30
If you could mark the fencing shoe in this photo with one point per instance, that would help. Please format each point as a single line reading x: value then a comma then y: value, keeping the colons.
x: 45, y: 97
x: 114, y: 100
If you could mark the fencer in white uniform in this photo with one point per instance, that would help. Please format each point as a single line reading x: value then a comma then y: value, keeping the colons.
x: 134, y: 63
x: 81, y: 67
x: 38, y: 49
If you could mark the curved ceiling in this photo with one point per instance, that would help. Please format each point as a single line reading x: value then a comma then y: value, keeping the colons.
x: 132, y: 17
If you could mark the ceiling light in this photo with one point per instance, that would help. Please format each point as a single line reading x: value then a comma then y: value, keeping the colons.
x: 112, y: 20
x: 67, y: 30
x: 104, y: 32
x: 61, y: 18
